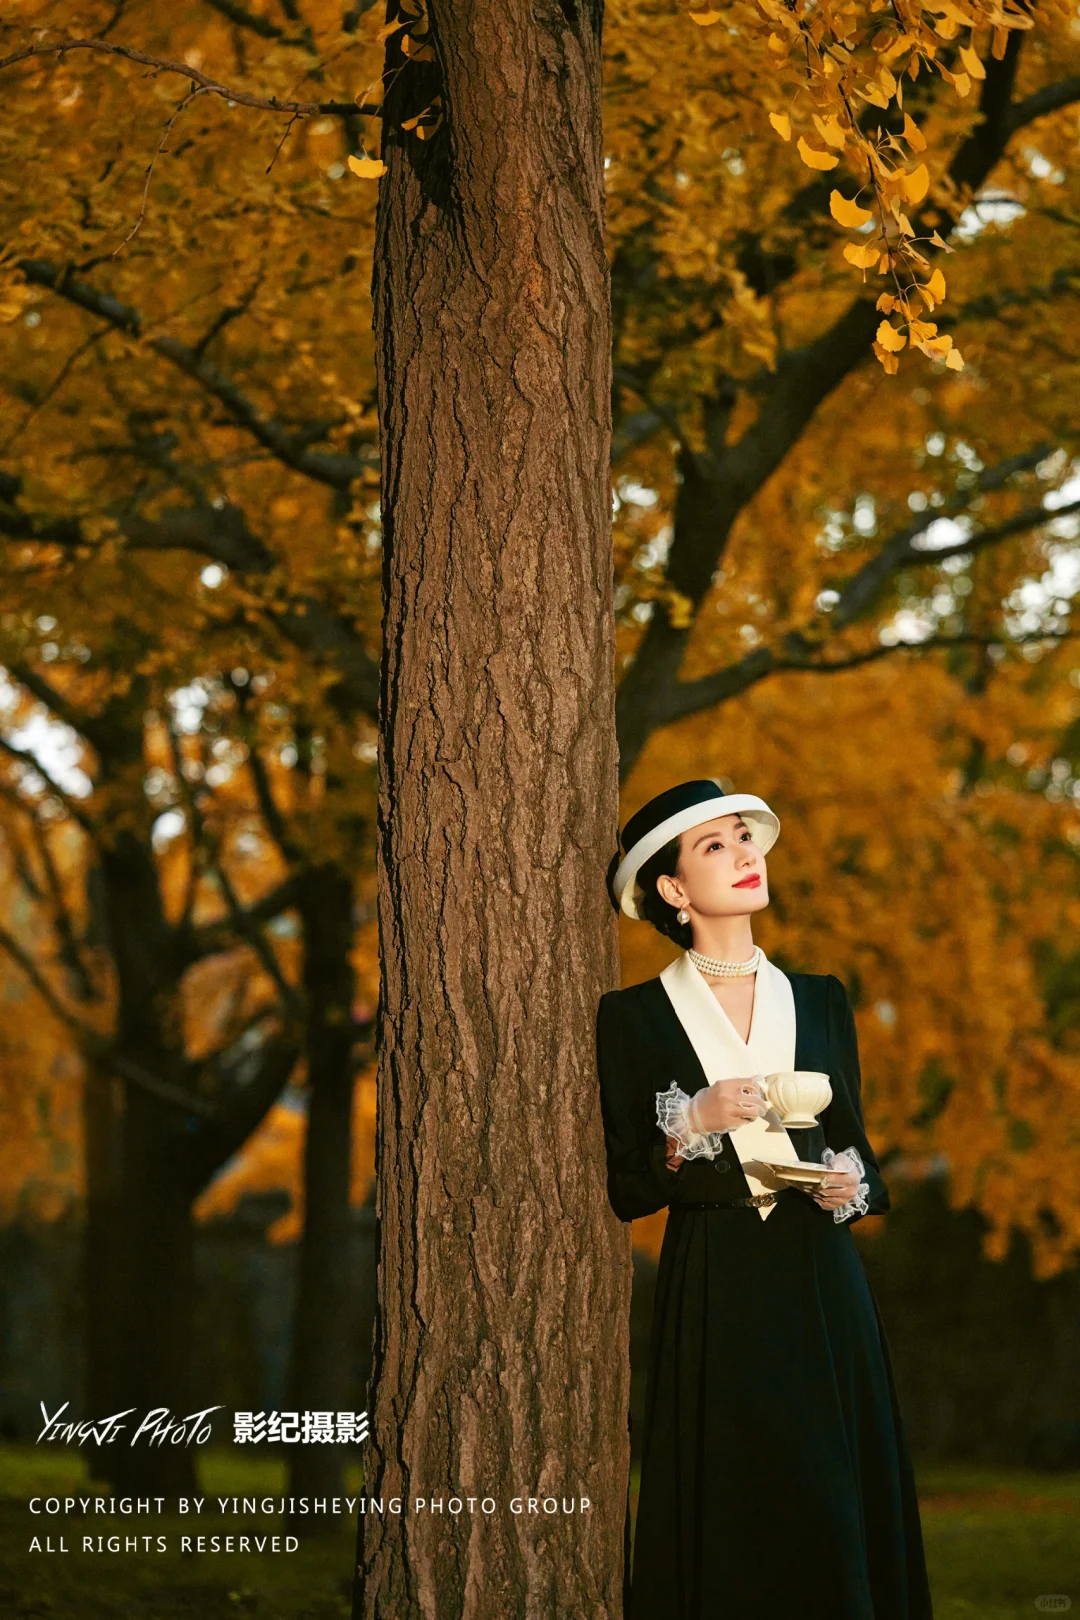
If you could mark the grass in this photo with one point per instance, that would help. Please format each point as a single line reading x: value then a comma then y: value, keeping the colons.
x: 996, y: 1541
x: 312, y: 1583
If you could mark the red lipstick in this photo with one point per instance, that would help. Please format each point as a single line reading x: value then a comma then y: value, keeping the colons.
x: 751, y: 882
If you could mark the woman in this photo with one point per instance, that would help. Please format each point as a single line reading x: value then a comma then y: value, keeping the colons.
x: 775, y: 1477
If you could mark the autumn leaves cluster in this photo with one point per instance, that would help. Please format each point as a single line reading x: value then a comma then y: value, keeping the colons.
x: 836, y: 63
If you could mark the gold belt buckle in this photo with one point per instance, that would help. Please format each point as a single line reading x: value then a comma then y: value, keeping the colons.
x: 763, y: 1198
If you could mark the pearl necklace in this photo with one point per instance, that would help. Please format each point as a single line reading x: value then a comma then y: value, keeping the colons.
x: 726, y: 970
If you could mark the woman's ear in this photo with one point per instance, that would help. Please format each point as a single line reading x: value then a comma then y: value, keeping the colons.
x: 669, y: 890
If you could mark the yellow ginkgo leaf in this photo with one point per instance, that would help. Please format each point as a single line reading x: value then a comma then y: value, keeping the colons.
x: 782, y: 125
x: 368, y: 168
x: 916, y: 184
x: 860, y: 254
x: 886, y: 303
x: 954, y: 360
x: 890, y: 338
x: 830, y: 131
x: 913, y: 134
x: 888, y: 361
x: 390, y: 28
x: 972, y: 63
x: 961, y: 83
x: 815, y: 159
x: 705, y: 18
x: 938, y: 242
x: 846, y: 211
x: 936, y: 286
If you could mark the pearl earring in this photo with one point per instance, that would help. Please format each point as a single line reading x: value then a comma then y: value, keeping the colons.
x: 683, y: 915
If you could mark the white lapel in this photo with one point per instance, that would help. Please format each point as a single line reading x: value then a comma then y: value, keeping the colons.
x: 723, y: 1054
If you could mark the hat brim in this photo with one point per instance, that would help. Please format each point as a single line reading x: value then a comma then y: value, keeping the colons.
x: 762, y: 824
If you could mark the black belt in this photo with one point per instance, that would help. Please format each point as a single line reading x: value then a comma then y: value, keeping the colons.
x: 728, y: 1203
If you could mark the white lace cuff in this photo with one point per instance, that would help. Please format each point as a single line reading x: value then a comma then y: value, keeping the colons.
x: 672, y: 1107
x: 858, y: 1202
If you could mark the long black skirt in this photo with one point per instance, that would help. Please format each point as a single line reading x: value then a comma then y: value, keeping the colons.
x: 775, y: 1478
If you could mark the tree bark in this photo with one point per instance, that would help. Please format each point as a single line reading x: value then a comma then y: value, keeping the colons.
x: 501, y: 1355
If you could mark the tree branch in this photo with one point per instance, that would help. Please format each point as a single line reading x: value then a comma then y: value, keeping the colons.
x: 221, y: 534
x: 164, y: 1090
x: 716, y: 489
x: 256, y: 1081
x: 325, y: 467
x: 241, y: 98
x: 684, y: 698
x: 1051, y: 98
x: 220, y: 935
x: 858, y: 592
x: 711, y: 690
x: 89, y: 1039
x: 30, y: 760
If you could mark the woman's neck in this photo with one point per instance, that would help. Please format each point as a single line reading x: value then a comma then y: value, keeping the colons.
x: 729, y: 939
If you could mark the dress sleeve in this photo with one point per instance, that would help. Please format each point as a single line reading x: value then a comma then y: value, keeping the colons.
x: 844, y: 1127
x: 639, y: 1179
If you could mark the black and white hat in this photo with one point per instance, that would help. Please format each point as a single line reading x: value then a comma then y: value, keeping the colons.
x: 674, y: 811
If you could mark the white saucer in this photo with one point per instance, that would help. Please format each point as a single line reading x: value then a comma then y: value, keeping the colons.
x: 802, y: 1173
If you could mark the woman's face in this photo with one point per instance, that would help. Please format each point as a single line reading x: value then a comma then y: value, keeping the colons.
x: 721, y: 871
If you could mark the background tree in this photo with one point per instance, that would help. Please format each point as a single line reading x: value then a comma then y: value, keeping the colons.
x: 153, y: 1141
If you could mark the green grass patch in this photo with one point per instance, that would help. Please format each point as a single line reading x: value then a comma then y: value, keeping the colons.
x: 312, y: 1583
x: 996, y: 1540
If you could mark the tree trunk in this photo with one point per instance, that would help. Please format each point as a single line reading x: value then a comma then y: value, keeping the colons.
x: 155, y: 1333
x: 326, y: 1304
x: 103, y: 1391
x: 152, y: 1264
x: 501, y: 1357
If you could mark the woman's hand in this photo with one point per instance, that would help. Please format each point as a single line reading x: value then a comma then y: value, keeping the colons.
x: 840, y: 1185
x: 728, y: 1104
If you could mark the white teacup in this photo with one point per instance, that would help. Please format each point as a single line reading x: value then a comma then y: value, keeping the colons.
x: 798, y: 1095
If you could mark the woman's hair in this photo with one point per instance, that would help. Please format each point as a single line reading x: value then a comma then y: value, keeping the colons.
x: 663, y: 917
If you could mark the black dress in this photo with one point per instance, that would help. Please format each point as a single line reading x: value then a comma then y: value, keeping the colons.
x: 775, y: 1477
